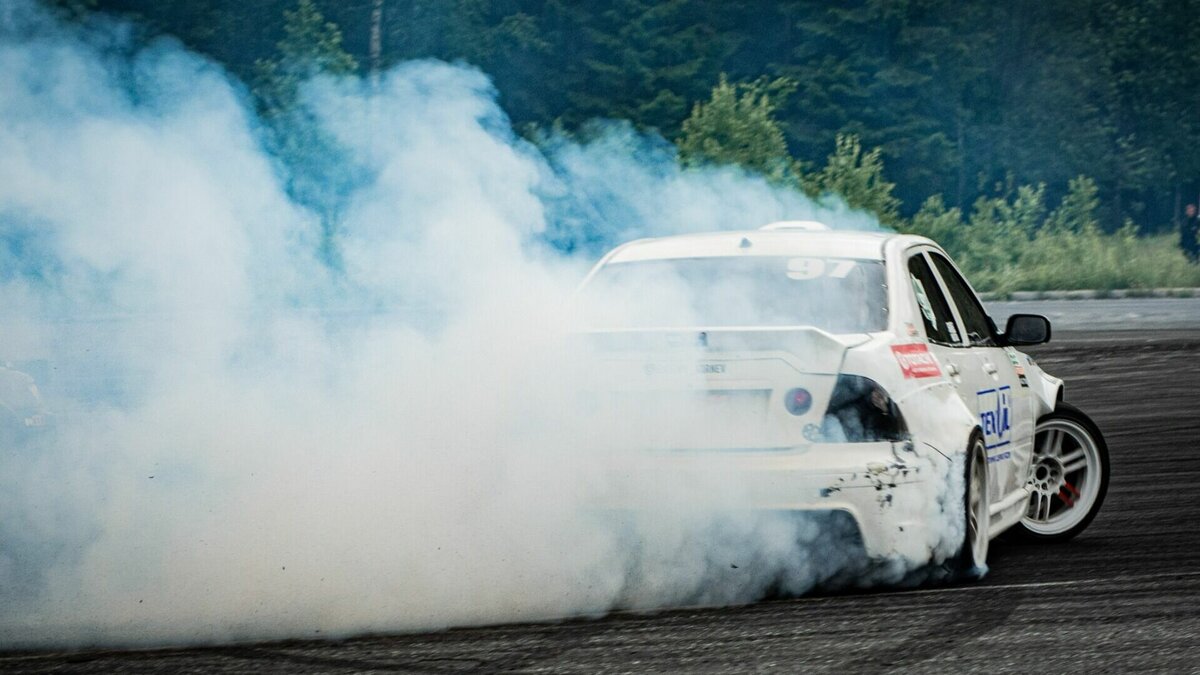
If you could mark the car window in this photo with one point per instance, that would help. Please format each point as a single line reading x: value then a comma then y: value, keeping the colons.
x: 840, y: 295
x: 975, y: 319
x: 935, y: 311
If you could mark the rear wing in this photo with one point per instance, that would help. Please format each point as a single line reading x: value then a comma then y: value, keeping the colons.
x: 811, y: 349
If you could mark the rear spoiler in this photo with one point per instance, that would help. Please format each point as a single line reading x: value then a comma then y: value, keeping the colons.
x: 814, y: 350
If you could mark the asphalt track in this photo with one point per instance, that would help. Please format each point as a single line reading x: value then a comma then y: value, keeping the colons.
x: 1124, y: 596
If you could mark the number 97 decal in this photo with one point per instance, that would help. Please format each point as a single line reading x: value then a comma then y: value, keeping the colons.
x: 802, y: 269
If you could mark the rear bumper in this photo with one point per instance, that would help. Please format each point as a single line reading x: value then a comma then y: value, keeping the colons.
x: 887, y: 492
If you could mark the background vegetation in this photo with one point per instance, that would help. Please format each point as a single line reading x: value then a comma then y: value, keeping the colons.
x: 1047, y: 145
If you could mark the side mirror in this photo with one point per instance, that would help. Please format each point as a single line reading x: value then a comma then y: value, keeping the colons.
x: 1027, y: 329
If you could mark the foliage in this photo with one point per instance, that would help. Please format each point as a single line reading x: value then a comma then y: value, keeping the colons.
x: 1011, y: 244
x: 642, y: 60
x: 1077, y: 212
x: 985, y: 114
x: 311, y: 46
x: 937, y: 222
x: 74, y: 9
x: 737, y: 126
x: 959, y: 96
x: 857, y: 177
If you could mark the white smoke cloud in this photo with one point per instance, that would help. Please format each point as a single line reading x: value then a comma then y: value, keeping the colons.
x: 250, y: 444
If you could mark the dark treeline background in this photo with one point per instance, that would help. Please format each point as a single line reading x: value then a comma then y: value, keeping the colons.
x: 966, y: 98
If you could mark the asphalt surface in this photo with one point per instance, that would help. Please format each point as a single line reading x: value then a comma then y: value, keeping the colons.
x: 1114, y: 313
x: 1123, y: 596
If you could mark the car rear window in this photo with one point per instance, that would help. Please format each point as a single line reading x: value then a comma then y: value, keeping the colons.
x: 975, y: 319
x: 840, y: 295
x: 940, y: 326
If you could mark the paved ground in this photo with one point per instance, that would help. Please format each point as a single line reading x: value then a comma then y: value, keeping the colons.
x: 1123, y: 596
x: 1114, y: 314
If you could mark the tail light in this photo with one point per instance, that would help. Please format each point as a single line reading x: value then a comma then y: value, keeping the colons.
x: 798, y: 401
x: 860, y: 410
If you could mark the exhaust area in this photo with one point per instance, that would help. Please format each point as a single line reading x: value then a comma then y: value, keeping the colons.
x: 253, y: 439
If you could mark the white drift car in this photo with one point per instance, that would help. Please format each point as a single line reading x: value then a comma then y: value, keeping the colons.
x: 831, y: 365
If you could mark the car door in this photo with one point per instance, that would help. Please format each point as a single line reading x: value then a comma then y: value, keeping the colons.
x: 947, y: 339
x: 1002, y: 400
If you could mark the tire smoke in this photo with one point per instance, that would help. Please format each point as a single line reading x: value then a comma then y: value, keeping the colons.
x: 251, y: 443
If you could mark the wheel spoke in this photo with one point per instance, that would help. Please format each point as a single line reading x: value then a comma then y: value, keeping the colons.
x: 1080, y: 463
x: 1040, y: 449
x: 1056, y: 448
x: 1071, y: 457
x: 1039, y: 507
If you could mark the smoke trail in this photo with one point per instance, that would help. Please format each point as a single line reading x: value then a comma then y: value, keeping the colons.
x: 251, y: 444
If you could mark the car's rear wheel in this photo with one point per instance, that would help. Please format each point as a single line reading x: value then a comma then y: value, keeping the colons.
x: 971, y: 560
x: 1069, y: 476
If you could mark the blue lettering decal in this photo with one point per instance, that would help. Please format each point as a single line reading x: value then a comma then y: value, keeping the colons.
x: 995, y: 416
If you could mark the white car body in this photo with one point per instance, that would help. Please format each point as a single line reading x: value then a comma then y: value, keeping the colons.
x: 946, y: 390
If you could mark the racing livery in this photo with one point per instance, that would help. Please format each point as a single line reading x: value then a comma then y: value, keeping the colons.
x: 835, y: 371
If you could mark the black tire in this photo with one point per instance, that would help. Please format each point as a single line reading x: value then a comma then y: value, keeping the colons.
x: 1063, y: 522
x: 971, y: 560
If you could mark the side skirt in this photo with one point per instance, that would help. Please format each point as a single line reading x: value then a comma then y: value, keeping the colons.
x: 1008, y: 511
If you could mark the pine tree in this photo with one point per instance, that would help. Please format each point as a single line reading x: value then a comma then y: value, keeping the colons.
x: 862, y: 69
x: 642, y: 60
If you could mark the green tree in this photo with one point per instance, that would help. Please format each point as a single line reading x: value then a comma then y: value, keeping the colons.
x: 1147, y: 55
x: 737, y: 126
x: 857, y: 177
x: 641, y: 60
x: 72, y: 9
x: 310, y: 46
x: 941, y: 224
x: 868, y: 68
x: 964, y: 98
x: 1078, y: 209
x: 319, y: 172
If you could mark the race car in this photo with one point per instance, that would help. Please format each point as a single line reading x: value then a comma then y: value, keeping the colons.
x: 847, y: 372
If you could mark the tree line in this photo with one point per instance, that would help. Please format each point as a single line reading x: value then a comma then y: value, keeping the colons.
x: 965, y: 99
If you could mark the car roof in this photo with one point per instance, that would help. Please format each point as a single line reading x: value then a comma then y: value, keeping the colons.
x: 777, y: 242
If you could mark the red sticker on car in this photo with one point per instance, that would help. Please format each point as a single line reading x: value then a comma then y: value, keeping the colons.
x: 916, y: 361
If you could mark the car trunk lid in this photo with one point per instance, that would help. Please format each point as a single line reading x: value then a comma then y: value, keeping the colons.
x: 719, y: 389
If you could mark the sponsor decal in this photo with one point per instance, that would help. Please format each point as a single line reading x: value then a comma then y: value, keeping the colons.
x: 681, y: 368
x: 952, y: 328
x: 995, y: 416
x: 1016, y: 362
x: 910, y: 329
x: 923, y: 300
x: 1000, y: 457
x: 916, y: 361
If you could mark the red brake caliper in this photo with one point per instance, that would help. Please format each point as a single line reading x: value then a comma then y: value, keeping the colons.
x: 1068, y: 499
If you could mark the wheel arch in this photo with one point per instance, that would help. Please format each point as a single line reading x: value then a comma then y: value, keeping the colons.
x: 1048, y: 390
x: 940, y: 419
